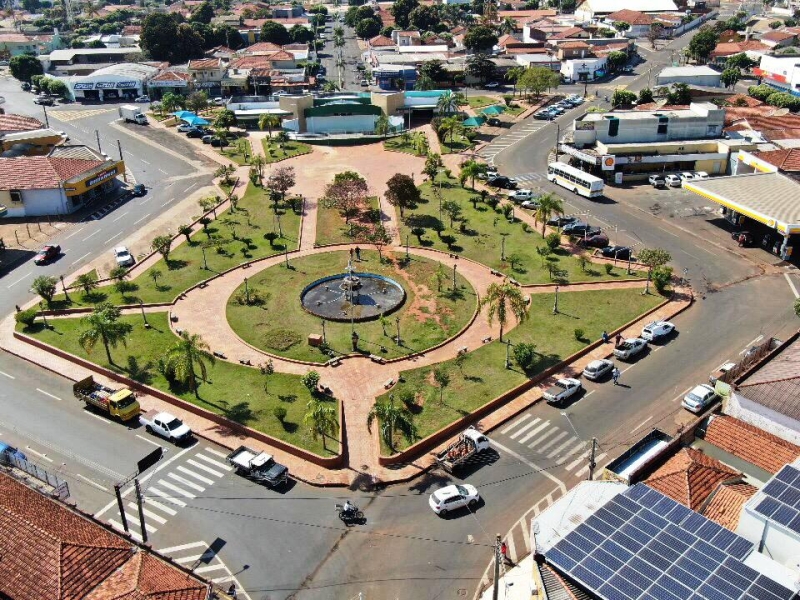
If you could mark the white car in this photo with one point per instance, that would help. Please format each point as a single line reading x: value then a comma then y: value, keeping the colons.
x: 142, y: 99
x: 701, y: 175
x: 563, y: 389
x: 673, y: 180
x: 532, y: 204
x: 699, y: 398
x: 451, y: 497
x: 490, y: 172
x: 219, y: 101
x: 518, y: 195
x: 686, y: 176
x: 123, y: 256
x: 657, y: 330
x: 597, y: 369
x: 184, y: 128
x: 630, y: 348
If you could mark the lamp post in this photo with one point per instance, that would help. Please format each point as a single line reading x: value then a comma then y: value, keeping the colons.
x: 44, y: 316
x: 66, y: 296
x: 205, y: 263
x: 454, y: 277
x: 397, y: 321
x: 585, y: 79
x: 144, y: 316
x: 407, y: 256
x: 246, y: 292
x: 555, y: 303
x: 508, y: 352
x: 324, y: 339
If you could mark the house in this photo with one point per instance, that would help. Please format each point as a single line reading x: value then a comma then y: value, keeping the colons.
x: 170, y: 80
x: 406, y: 38
x: 583, y: 69
x: 573, y: 49
x: 381, y: 43
x: 778, y: 39
x: 690, y: 75
x: 520, y: 17
x: 571, y: 33
x: 590, y: 10
x: 755, y: 50
x: 287, y: 11
x: 14, y: 44
x: 639, y: 22
x: 538, y: 60
x: 10, y: 123
x: 207, y: 74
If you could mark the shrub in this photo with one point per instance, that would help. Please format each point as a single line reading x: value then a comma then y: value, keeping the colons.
x: 525, y: 355
x: 279, y: 412
x: 579, y: 334
x: 553, y: 240
x: 609, y: 268
x: 408, y: 397
x: 583, y: 261
x: 26, y: 317
x: 661, y: 277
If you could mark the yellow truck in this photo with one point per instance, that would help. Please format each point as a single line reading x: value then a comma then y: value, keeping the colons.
x: 120, y: 404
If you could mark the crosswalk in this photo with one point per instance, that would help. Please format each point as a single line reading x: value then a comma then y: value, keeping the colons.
x: 171, y: 490
x: 553, y: 445
x: 515, y: 135
x: 74, y: 115
x: 203, y: 560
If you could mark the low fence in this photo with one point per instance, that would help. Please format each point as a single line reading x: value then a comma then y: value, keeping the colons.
x: 60, y: 487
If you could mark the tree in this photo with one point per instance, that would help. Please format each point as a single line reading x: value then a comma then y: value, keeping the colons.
x: 480, y: 38
x: 653, y: 258
x: 729, y: 77
x: 382, y: 125
x: 269, y: 122
x: 424, y: 83
x: 680, y: 94
x: 481, y: 67
x: 424, y: 18
x: 453, y: 210
x: 402, y: 192
x: 616, y: 59
x: 159, y: 33
x: 197, y: 101
x: 784, y: 100
x: 379, y: 237
x: 654, y: 33
x: 281, y: 180
x: 87, y: 282
x: 442, y: 379
x: 225, y: 119
x: 300, y: 34
x: 537, y: 80
x: 163, y: 245
x: 347, y: 193
x: 103, y: 325
x: 368, y: 28
x: 202, y: 14
x: 434, y: 70
x: 275, y: 33
x: 267, y: 370
x: 645, y: 96
x: 740, y: 61
x: 513, y: 75
x: 502, y: 299
x: 172, y: 102
x: 525, y: 355
x: 400, y: 10
x: 621, y: 26
x: 703, y: 43
x: 392, y: 418
x: 311, y: 381
x: 470, y: 170
x: 321, y: 420
x: 56, y: 87
x: 451, y: 126
x: 25, y: 66
x: 447, y: 103
x: 432, y: 165
x: 622, y: 97
x: 155, y: 274
x: 188, y: 354
x: 549, y: 205
x: 45, y: 286
x: 797, y: 307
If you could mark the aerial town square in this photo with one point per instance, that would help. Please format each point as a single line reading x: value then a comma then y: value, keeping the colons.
x: 420, y: 299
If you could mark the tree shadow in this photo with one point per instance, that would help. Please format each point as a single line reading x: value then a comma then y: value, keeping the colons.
x: 287, y: 397
x: 175, y: 265
x: 95, y: 297
x: 137, y: 372
x: 429, y: 480
x: 289, y: 427
x: 241, y: 413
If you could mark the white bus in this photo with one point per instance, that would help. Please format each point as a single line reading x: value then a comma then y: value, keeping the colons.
x: 574, y: 179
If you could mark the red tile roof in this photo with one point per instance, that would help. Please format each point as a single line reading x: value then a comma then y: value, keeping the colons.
x: 381, y: 41
x: 259, y: 61
x: 527, y: 14
x: 172, y: 76
x: 748, y: 99
x: 205, y: 63
x: 632, y: 17
x: 728, y: 49
x: 15, y: 38
x: 19, y: 123
x: 690, y: 476
x: 574, y: 45
x: 725, y: 504
x: 741, y: 439
x: 568, y: 33
x: 132, y: 30
x: 41, y: 172
x: 778, y: 36
x: 261, y: 47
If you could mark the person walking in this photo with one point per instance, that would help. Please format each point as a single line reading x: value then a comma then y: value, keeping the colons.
x: 504, y: 554
x: 605, y: 337
x: 615, y: 375
x: 618, y: 340
x: 232, y: 591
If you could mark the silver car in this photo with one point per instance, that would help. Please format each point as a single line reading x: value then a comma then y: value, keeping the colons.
x: 597, y: 369
x: 699, y: 398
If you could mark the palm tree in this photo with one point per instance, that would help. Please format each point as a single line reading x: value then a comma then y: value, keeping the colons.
x: 382, y: 125
x: 321, y: 420
x: 507, y: 25
x: 549, y: 205
x: 513, y: 75
x: 103, y: 326
x: 189, y: 352
x: 330, y: 86
x: 502, y: 298
x: 269, y: 122
x: 447, y: 103
x: 450, y: 125
x: 390, y: 418
x: 471, y: 169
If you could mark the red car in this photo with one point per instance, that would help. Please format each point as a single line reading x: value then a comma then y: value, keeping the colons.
x: 599, y: 240
x: 46, y: 254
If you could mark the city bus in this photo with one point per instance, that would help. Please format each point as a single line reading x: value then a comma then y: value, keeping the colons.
x: 574, y: 179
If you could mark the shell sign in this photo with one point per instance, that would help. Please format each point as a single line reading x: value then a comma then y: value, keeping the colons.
x: 608, y: 163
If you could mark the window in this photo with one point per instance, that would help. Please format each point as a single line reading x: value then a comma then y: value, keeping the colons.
x: 16, y: 196
x: 663, y: 122
x: 613, y: 126
x: 712, y: 130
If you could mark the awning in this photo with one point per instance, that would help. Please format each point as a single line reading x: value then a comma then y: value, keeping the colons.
x: 195, y: 120
x: 583, y: 156
x: 493, y: 110
x: 182, y: 114
x: 473, y: 122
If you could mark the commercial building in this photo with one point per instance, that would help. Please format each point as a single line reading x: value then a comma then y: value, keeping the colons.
x: 584, y: 69
x: 781, y: 72
x: 123, y: 81
x: 84, y: 61
x: 67, y: 179
x: 690, y: 75
x: 589, y: 10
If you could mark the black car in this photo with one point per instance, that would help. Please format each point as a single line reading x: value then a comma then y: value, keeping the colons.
x: 619, y: 252
x: 139, y: 190
x: 561, y: 221
x: 581, y: 229
x: 501, y: 181
x: 216, y: 142
x: 195, y: 133
x: 494, y: 122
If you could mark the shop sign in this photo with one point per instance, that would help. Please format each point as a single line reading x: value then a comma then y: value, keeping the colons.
x: 205, y: 84
x: 176, y: 83
x: 123, y: 85
x: 608, y: 163
x: 102, y: 177
x: 83, y: 86
x: 584, y: 125
x: 587, y: 158
x: 104, y: 85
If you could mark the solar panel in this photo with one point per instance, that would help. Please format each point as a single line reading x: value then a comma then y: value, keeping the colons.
x: 660, y: 550
x: 780, y: 499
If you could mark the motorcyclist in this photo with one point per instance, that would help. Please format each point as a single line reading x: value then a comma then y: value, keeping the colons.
x: 349, y: 508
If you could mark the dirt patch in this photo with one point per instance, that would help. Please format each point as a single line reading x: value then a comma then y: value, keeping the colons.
x: 424, y: 305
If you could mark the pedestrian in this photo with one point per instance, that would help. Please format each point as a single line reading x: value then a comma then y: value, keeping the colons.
x: 504, y: 553
x: 618, y: 340
x: 605, y: 337
x: 232, y: 591
x: 358, y: 254
x: 615, y: 375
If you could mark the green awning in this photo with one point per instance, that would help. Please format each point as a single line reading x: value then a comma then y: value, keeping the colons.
x: 474, y: 121
x: 493, y: 110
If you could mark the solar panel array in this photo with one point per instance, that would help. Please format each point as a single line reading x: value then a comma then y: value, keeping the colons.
x: 782, y: 502
x: 643, y: 545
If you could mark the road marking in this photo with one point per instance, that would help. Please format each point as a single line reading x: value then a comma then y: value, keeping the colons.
x: 118, y: 526
x: 121, y: 216
x: 754, y: 342
x: 791, y: 285
x: 523, y: 429
x: 142, y: 219
x: 564, y: 458
x: 39, y: 454
x: 144, y: 161
x: 587, y: 394
x: 113, y: 236
x: 163, y: 171
x: 135, y: 521
x: 629, y: 368
x: 186, y: 482
x: 550, y: 443
x: 175, y: 488
x: 157, y: 518
x: 183, y: 547
x: 582, y: 457
x: 512, y: 549
x: 186, y: 191
x: 166, y: 497
x: 76, y: 232
x: 536, y: 468
x: 160, y: 506
x: 80, y: 259
x: 20, y: 279
x: 99, y: 418
x: 197, y: 476
x: 95, y: 232
x: 682, y: 394
x: 532, y: 433
x: 7, y: 375
x: 211, y: 461
x: 149, y: 441
x: 563, y: 445
x: 642, y: 424
x: 205, y: 468
x: 94, y: 483
x: 48, y: 394
x: 208, y: 568
x: 168, y: 201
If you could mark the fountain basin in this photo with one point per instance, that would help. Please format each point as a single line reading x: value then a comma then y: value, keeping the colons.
x: 330, y: 297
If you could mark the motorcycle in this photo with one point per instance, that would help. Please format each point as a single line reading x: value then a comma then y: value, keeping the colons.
x: 349, y: 516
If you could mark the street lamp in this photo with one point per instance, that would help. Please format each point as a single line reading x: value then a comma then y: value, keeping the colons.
x: 205, y: 264
x: 585, y: 79
x: 454, y: 277
x: 508, y: 351
x: 144, y: 316
x: 555, y: 303
x: 44, y: 316
x: 246, y: 292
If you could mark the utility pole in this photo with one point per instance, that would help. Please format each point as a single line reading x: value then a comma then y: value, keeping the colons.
x: 97, y: 135
x: 140, y: 502
x: 558, y: 135
x: 122, y: 515
x: 592, y: 464
x: 496, y: 591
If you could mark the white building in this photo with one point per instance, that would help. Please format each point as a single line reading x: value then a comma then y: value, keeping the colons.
x: 690, y: 75
x: 584, y: 69
x: 780, y: 72
x: 590, y: 10
x: 117, y: 82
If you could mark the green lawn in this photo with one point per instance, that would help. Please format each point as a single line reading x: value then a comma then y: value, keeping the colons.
x: 275, y: 151
x: 280, y: 325
x: 480, y: 237
x: 253, y: 218
x: 239, y: 151
x: 411, y: 143
x: 483, y: 375
x: 480, y: 101
x: 332, y: 228
x: 459, y: 143
x: 235, y: 391
x: 515, y: 109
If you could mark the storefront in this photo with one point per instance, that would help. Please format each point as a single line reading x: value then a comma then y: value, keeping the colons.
x: 123, y: 82
x: 92, y: 185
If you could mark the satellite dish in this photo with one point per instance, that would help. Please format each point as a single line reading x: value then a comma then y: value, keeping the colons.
x: 781, y: 112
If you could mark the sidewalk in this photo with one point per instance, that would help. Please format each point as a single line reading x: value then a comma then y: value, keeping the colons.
x: 516, y: 583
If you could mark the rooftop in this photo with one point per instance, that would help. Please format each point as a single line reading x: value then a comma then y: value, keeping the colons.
x: 750, y: 443
x: 778, y: 36
x: 785, y: 159
x: 632, y: 17
x: 19, y: 123
x: 205, y: 63
x: 725, y: 503
x: 610, y: 6
x: 687, y: 71
x: 135, y: 70
x: 71, y: 53
x: 41, y: 172
x: 729, y: 48
x: 696, y: 109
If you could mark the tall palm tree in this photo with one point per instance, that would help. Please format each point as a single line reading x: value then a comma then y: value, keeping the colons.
x: 103, y: 326
x: 549, y: 205
x: 471, y: 169
x: 502, y: 298
x: 320, y: 418
x: 450, y: 126
x: 513, y: 75
x: 392, y: 418
x: 330, y: 86
x: 188, y: 353
x: 507, y: 25
x: 269, y: 122
x: 447, y: 103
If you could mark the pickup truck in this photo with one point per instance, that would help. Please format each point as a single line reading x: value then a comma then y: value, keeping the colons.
x: 630, y: 348
x: 167, y: 426
x: 120, y: 404
x: 258, y: 466
x: 470, y: 443
x: 561, y: 390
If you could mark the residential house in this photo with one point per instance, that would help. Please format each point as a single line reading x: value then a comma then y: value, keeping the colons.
x: 381, y: 43
x: 538, y: 60
x: 14, y: 44
x: 639, y: 22
x: 207, y: 74
x: 755, y: 50
x: 520, y: 17
x: 287, y: 11
x: 573, y: 49
x: 406, y: 38
x: 591, y: 10
x: 779, y: 39
x: 571, y: 33
x: 259, y: 48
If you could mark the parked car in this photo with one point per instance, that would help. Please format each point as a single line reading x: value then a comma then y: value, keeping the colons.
x: 185, y: 128
x: 544, y: 115
x: 618, y: 252
x: 216, y: 142
x: 594, y: 241
x: 142, y: 99
x: 561, y: 390
x: 43, y: 100
x: 219, y: 101
x: 627, y: 69
x: 561, y: 221
x: 556, y: 109
x: 581, y: 229
x: 196, y: 133
x: 686, y: 176
x: 139, y: 190
x: 26, y: 87
x: 531, y: 204
x: 630, y: 348
x: 167, y: 426
x: 452, y: 497
x: 519, y: 195
x: 123, y: 256
x: 657, y: 330
x: 206, y: 139
x: 46, y: 254
x: 673, y: 181
x: 501, y: 181
x: 657, y: 181
x: 699, y: 398
x: 364, y: 83
x: 700, y: 175
x: 492, y: 85
x: 495, y: 122
x: 743, y: 238
x: 597, y: 369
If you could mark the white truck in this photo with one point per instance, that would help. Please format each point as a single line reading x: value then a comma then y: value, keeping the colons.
x: 166, y: 426
x: 132, y: 114
x: 470, y: 443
